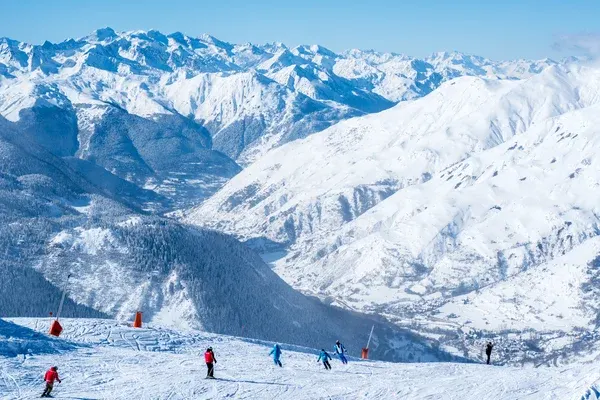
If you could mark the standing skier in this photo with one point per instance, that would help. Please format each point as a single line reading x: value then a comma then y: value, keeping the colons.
x: 325, y: 357
x: 340, y: 350
x: 276, y: 352
x: 209, y: 358
x: 50, y: 376
x: 488, y: 351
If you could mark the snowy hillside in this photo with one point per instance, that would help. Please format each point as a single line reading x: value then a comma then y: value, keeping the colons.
x: 61, y: 218
x: 106, y: 360
x: 336, y: 175
x: 471, y: 199
x: 197, y: 279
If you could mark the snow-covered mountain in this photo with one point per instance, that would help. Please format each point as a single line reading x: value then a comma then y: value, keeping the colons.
x: 335, y: 176
x: 100, y: 135
x: 473, y: 199
x: 399, y: 77
x: 67, y: 223
x: 249, y: 98
x: 189, y: 278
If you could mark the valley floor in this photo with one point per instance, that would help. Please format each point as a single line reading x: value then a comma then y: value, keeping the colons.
x: 112, y: 361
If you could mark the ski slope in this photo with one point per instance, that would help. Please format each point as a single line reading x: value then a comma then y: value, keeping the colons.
x: 108, y: 360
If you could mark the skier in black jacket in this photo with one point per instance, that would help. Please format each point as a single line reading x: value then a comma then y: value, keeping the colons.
x: 488, y: 351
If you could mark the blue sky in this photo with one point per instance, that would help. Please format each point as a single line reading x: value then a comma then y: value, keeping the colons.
x: 491, y: 28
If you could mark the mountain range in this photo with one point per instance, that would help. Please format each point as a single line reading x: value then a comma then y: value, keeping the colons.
x: 248, y: 98
x: 476, y: 205
x: 416, y: 194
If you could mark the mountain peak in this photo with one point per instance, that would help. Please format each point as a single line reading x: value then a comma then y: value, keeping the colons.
x: 448, y: 55
x: 313, y: 49
x: 216, y: 42
x: 374, y: 54
x: 8, y: 42
x: 104, y: 34
x: 273, y: 47
x: 157, y: 36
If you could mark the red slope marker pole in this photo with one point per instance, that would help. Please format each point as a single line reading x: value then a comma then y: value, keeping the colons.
x: 55, y: 327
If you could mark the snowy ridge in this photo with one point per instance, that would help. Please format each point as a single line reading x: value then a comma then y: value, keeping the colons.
x: 302, y: 89
x: 470, y: 197
x: 111, y: 360
x: 399, y: 77
x: 347, y: 169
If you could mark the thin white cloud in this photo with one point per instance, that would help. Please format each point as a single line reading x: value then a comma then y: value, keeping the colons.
x: 587, y: 44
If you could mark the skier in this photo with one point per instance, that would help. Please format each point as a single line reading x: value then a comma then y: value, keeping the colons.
x: 276, y: 352
x: 340, y: 350
x: 50, y: 376
x: 488, y: 351
x: 210, y: 359
x: 325, y: 357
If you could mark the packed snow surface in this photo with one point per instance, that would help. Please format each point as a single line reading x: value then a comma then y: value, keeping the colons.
x: 108, y: 360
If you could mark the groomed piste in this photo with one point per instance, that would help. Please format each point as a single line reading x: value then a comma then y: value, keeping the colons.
x: 106, y: 359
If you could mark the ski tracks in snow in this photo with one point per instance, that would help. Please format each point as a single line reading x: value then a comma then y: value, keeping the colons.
x: 119, y: 362
x: 10, y: 384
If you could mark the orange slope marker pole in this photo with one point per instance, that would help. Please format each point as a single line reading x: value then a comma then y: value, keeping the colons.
x: 137, y: 323
x: 365, y: 351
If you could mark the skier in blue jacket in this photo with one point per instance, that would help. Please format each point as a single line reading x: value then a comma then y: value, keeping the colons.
x: 276, y: 353
x: 340, y: 350
x: 325, y: 357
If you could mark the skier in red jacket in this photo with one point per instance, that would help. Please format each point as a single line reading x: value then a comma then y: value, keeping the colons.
x: 209, y: 358
x: 50, y: 376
